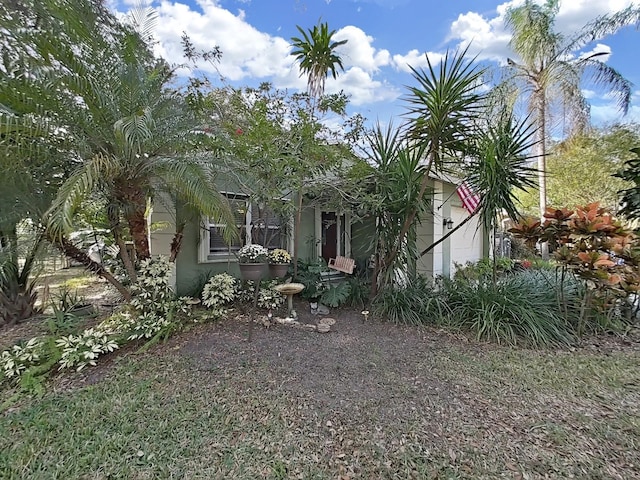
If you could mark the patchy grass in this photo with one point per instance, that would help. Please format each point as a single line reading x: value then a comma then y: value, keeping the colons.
x: 365, y: 401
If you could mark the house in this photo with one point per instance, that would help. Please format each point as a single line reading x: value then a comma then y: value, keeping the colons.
x: 324, y: 233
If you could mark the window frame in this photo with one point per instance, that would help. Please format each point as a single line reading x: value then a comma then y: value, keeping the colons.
x: 205, y: 255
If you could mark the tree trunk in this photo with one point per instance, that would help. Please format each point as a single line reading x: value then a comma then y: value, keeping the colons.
x: 176, y: 243
x: 540, y: 151
x: 140, y: 233
x: 408, y: 222
x: 135, y: 201
x: 114, y: 220
x: 73, y: 252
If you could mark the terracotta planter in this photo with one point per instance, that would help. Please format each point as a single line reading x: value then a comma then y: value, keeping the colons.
x: 278, y: 270
x: 253, y: 271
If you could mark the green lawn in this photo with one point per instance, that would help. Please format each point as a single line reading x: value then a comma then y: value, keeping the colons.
x: 366, y: 401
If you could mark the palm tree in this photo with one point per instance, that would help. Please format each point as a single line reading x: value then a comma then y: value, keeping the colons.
x: 317, y: 55
x: 316, y: 52
x: 129, y: 136
x: 550, y: 72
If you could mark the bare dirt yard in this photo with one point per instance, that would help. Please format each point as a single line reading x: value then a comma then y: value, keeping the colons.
x: 366, y: 400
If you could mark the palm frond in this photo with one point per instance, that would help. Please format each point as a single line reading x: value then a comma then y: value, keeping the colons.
x: 445, y: 102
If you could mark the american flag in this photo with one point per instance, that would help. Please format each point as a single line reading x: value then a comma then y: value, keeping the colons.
x: 470, y: 199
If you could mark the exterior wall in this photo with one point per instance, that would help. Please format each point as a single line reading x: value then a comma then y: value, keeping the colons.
x: 190, y: 273
x: 307, y: 236
x: 162, y: 229
x: 427, y: 233
x: 466, y: 244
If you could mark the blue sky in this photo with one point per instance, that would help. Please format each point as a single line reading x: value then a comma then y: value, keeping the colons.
x: 384, y: 36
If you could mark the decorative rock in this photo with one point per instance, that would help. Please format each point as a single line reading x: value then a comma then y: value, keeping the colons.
x: 328, y: 321
x: 323, y: 309
x: 310, y: 327
x: 323, y: 328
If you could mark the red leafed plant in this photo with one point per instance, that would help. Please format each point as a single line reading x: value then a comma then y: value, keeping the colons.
x: 592, y: 245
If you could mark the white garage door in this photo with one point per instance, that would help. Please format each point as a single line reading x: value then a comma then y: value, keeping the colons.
x: 466, y: 243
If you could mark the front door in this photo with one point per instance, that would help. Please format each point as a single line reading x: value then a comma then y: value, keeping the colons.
x: 329, y: 235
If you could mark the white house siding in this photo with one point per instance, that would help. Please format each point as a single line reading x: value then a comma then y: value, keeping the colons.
x: 162, y: 230
x: 466, y: 243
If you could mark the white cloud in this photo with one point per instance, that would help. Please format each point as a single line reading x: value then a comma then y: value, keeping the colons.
x: 251, y: 55
x: 489, y: 37
x: 362, y: 88
x: 245, y: 50
x: 358, y: 51
x: 610, y: 113
x: 415, y: 59
x: 602, y: 51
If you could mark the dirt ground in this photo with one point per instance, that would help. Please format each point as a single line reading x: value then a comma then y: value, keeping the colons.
x: 412, y: 393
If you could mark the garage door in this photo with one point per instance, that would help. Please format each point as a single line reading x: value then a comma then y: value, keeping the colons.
x: 466, y: 243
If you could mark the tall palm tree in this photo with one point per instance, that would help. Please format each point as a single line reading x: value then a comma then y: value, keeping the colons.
x: 316, y: 52
x: 550, y: 70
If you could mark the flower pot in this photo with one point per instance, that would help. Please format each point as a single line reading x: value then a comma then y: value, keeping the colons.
x: 278, y: 270
x: 253, y: 271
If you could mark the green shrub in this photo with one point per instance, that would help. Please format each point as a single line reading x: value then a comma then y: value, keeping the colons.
x: 359, y: 289
x: 309, y: 274
x: 61, y: 322
x: 520, y: 308
x: 268, y: 297
x: 81, y: 350
x: 336, y: 294
x: 220, y: 290
x: 419, y: 302
x: 482, y: 269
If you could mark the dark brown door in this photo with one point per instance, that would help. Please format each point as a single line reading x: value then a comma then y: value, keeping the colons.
x: 329, y: 235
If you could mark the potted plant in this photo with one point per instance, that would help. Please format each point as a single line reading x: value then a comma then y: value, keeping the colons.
x: 279, y: 260
x: 252, y: 261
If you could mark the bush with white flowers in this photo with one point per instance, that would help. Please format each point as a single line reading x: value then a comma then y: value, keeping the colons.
x: 279, y: 256
x: 253, y: 253
x: 153, y: 298
x: 268, y: 297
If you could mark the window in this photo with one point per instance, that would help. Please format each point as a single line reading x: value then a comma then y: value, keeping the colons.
x: 217, y: 244
x: 255, y: 224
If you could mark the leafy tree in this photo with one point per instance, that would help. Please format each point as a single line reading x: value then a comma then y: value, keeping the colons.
x: 441, y: 111
x: 273, y: 148
x: 550, y: 71
x: 591, y: 158
x: 630, y: 200
x: 130, y: 134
